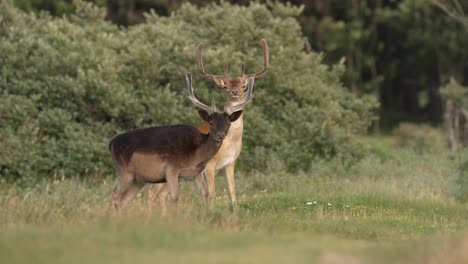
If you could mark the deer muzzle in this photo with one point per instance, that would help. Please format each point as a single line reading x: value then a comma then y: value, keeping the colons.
x: 220, y: 136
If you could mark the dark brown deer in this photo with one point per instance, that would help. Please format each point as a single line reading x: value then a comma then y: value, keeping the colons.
x: 165, y: 153
x: 232, y: 145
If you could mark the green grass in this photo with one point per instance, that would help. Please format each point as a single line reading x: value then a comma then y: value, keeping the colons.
x: 71, y: 221
x: 394, y: 206
x: 356, y: 216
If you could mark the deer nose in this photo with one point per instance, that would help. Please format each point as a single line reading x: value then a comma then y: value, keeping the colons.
x: 220, y: 136
x: 235, y: 92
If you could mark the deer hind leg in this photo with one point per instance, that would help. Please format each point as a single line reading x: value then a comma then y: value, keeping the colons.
x: 200, y: 180
x: 209, y: 173
x: 162, y: 191
x: 232, y: 185
x: 134, y: 188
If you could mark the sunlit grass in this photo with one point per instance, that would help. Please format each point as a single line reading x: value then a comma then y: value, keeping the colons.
x: 322, y: 219
x: 393, y: 206
x: 357, y: 216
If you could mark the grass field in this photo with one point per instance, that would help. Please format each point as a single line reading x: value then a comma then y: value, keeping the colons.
x: 71, y: 221
x: 396, y: 209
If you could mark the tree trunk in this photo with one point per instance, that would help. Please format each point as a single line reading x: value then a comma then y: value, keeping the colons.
x: 448, y: 119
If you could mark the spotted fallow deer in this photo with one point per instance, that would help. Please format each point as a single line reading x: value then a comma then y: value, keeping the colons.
x: 232, y: 145
x: 167, y: 153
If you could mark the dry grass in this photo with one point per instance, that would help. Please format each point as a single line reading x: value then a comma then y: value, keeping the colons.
x: 73, y: 221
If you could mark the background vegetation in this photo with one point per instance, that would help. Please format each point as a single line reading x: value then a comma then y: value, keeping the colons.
x: 401, y: 51
x: 70, y: 84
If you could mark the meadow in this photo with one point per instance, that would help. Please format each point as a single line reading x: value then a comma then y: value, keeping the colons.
x: 378, y: 211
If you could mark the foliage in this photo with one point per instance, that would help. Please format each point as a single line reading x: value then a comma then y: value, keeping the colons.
x: 420, y: 138
x: 454, y: 9
x: 456, y: 92
x: 56, y: 8
x: 405, y: 166
x: 68, y: 85
x: 401, y: 52
x: 436, y: 42
x: 461, y: 164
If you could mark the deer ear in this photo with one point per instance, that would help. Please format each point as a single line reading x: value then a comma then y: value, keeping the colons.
x: 204, y: 115
x: 246, y: 84
x: 220, y: 83
x: 234, y: 116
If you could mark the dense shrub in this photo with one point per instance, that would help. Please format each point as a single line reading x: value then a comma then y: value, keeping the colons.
x: 420, y: 138
x: 68, y: 85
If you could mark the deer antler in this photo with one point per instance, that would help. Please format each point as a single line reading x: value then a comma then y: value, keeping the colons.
x: 248, y: 97
x: 192, y: 97
x: 199, y: 61
x: 266, y: 61
x: 260, y: 74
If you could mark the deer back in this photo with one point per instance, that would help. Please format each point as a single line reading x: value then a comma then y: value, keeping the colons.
x: 173, y: 142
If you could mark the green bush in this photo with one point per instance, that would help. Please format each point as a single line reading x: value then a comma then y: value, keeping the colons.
x: 420, y: 138
x: 461, y: 164
x: 68, y: 85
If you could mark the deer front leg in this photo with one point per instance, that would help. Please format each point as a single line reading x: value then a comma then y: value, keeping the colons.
x: 133, y: 189
x: 209, y: 173
x: 232, y: 185
x: 172, y: 179
x: 200, y: 180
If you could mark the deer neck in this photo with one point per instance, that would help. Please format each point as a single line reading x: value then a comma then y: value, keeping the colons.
x: 210, y: 147
x: 238, y: 125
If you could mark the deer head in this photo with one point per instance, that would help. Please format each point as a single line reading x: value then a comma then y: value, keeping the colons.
x: 219, y: 122
x: 234, y: 87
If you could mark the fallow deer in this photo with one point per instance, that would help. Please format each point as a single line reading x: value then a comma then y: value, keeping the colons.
x: 232, y: 145
x: 165, y: 153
